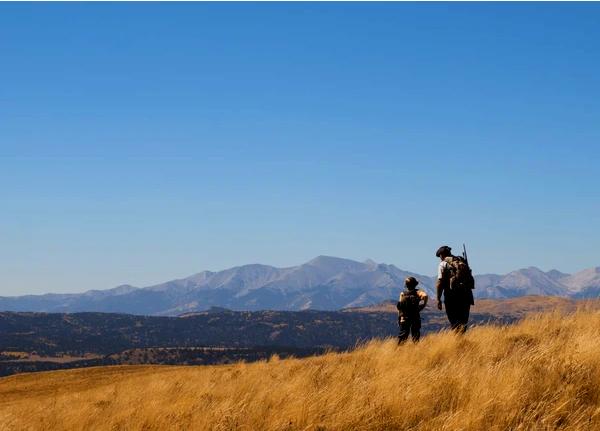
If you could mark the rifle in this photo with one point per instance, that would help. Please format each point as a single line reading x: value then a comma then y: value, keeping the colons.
x: 467, y: 262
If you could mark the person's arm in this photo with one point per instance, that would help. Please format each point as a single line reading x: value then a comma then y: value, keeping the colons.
x: 423, y: 297
x: 439, y: 285
x: 399, y: 304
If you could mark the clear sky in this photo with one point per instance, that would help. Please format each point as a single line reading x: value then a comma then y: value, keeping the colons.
x: 145, y: 142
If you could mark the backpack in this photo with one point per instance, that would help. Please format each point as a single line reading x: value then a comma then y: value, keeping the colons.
x: 461, y: 278
x: 409, y: 306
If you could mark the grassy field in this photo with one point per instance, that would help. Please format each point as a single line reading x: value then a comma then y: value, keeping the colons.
x: 541, y: 374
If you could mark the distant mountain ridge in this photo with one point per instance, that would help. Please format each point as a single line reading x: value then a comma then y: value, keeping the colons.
x: 534, y: 281
x: 323, y: 283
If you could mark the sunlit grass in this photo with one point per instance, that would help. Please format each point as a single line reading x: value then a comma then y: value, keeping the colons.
x: 543, y: 373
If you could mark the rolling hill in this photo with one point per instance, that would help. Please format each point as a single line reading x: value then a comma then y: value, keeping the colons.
x: 41, y: 341
x: 543, y: 373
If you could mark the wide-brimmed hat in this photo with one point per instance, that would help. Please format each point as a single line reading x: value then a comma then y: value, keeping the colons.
x: 443, y: 250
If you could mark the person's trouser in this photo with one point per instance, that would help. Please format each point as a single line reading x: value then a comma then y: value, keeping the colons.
x: 458, y: 315
x: 409, y: 327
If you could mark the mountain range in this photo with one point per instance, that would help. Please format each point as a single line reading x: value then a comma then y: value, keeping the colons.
x: 324, y: 283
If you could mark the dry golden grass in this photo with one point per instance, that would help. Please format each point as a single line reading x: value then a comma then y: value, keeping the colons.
x: 541, y: 374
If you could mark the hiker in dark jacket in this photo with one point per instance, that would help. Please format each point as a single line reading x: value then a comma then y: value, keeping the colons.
x: 455, y: 282
x: 410, y: 303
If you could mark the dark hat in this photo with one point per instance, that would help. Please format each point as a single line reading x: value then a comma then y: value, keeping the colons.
x: 411, y: 282
x: 443, y: 250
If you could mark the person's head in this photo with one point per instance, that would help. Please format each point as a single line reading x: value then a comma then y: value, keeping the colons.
x: 443, y: 252
x: 411, y: 283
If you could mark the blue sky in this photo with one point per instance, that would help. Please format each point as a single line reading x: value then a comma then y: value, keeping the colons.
x: 144, y: 142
